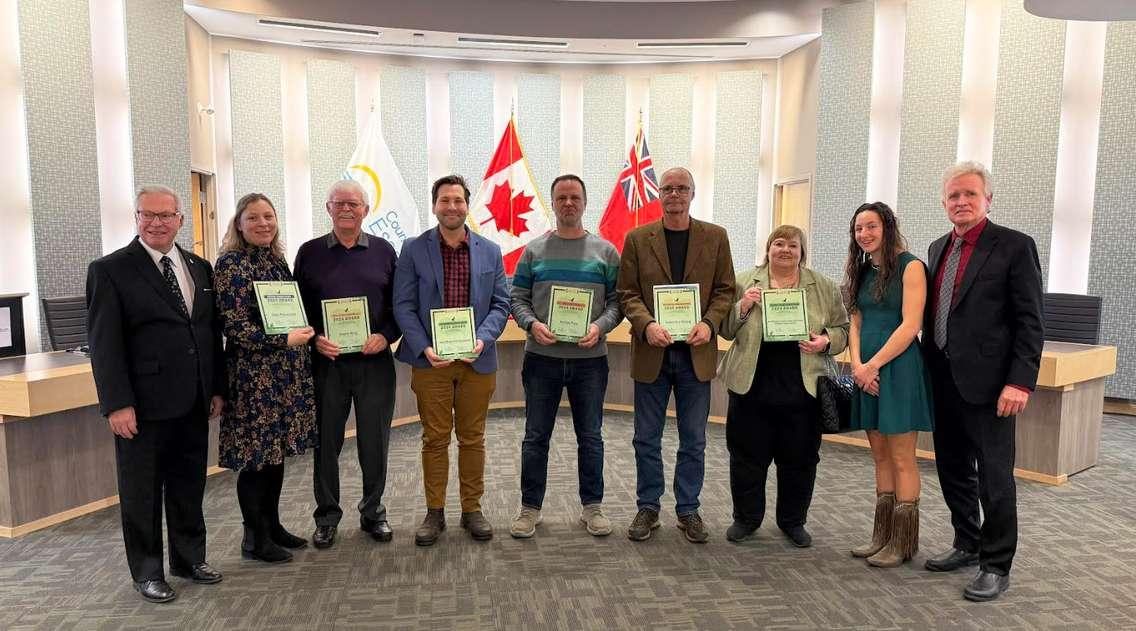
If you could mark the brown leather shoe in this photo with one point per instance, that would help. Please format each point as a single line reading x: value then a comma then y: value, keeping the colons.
x: 478, y: 526
x: 431, y: 528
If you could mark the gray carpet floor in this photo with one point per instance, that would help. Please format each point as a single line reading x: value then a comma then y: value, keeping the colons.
x: 1074, y: 568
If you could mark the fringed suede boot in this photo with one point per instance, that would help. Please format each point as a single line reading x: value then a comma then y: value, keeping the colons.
x: 904, y: 542
x: 881, y: 531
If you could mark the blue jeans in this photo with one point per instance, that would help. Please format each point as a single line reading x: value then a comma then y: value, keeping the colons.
x: 544, y: 379
x: 692, y: 404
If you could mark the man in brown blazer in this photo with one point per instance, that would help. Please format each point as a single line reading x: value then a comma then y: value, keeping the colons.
x: 674, y: 250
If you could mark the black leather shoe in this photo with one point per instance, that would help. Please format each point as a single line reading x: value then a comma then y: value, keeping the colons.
x: 739, y: 531
x: 951, y: 560
x: 382, y: 532
x: 986, y: 586
x: 323, y: 537
x: 379, y: 529
x: 199, y: 573
x: 157, y: 591
x: 798, y: 536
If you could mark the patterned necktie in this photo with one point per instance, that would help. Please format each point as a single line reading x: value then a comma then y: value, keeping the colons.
x: 172, y: 283
x: 947, y: 293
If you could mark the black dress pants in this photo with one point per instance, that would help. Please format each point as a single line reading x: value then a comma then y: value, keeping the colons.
x: 164, y: 463
x: 368, y: 382
x: 974, y: 455
x: 758, y: 435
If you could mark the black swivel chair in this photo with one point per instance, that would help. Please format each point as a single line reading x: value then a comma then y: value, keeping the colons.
x: 66, y: 320
x: 1072, y: 318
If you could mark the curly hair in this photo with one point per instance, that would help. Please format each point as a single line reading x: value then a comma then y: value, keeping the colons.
x: 858, y: 260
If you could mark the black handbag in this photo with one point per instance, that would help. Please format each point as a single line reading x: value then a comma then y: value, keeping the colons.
x: 834, y: 396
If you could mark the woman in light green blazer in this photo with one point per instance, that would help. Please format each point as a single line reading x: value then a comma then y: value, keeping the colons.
x: 773, y: 414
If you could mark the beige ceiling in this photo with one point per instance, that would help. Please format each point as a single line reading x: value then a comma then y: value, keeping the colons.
x: 582, y: 31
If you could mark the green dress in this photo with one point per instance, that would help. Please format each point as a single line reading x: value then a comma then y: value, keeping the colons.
x: 904, y: 403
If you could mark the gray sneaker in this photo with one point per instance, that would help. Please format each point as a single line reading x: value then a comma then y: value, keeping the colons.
x: 692, y: 527
x: 645, y: 521
x: 524, y: 526
x: 595, y: 521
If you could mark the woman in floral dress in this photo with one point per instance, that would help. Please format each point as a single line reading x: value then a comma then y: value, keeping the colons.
x: 271, y: 403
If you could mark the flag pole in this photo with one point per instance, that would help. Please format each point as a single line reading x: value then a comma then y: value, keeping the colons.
x: 512, y: 158
x: 638, y: 174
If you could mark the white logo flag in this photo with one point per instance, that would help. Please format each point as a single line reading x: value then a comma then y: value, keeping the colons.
x: 394, y: 215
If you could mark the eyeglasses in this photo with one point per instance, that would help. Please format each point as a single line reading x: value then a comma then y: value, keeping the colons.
x: 348, y: 205
x: 681, y: 190
x: 149, y: 217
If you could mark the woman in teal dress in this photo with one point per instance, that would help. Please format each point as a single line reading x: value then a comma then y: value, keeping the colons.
x: 271, y: 401
x: 887, y: 290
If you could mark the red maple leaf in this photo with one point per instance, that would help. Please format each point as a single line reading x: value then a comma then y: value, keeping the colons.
x: 507, y: 210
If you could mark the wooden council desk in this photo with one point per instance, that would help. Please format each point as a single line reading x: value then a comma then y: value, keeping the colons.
x: 57, y: 453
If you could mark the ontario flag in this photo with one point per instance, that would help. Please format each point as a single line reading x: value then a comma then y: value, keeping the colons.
x: 635, y: 200
x: 508, y: 209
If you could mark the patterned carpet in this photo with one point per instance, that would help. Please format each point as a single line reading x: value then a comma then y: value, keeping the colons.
x: 1074, y: 568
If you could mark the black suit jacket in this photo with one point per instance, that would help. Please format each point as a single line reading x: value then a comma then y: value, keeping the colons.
x: 995, y: 331
x: 144, y: 352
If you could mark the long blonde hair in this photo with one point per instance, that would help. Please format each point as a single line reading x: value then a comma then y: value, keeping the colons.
x: 234, y: 241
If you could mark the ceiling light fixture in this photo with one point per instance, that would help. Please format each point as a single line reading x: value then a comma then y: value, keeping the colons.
x: 323, y: 28
x: 513, y: 42
x: 732, y: 44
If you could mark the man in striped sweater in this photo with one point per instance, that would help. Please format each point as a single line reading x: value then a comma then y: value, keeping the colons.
x: 557, y: 266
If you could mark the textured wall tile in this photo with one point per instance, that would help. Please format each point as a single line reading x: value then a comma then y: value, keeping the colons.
x: 331, y: 131
x: 670, y: 133
x: 471, y: 126
x: 59, y: 105
x: 737, y: 153
x: 1112, y: 264
x: 605, y: 148
x: 538, y: 125
x: 258, y: 129
x: 1027, y: 119
x: 157, y: 67
x: 843, y: 115
x: 932, y: 82
x: 403, y: 99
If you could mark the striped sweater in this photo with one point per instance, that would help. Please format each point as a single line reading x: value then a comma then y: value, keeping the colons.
x: 590, y: 262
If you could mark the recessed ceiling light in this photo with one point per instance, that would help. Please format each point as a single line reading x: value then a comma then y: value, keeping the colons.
x: 323, y: 28
x: 513, y: 42
x: 733, y: 44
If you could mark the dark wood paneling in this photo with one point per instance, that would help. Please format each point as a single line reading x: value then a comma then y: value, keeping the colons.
x: 57, y: 462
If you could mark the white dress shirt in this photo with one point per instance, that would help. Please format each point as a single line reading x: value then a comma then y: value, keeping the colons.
x: 181, y: 272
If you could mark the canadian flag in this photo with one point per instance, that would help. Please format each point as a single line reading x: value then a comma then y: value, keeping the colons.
x: 635, y: 199
x: 508, y: 209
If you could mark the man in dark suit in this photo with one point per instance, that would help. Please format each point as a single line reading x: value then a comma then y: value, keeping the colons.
x: 156, y: 356
x: 674, y: 250
x: 982, y: 335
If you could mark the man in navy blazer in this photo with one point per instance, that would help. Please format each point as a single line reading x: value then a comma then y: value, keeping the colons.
x: 156, y: 357
x: 983, y: 336
x: 446, y: 267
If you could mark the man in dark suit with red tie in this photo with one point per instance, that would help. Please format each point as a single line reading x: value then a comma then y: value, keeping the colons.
x: 982, y: 335
x: 156, y: 356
